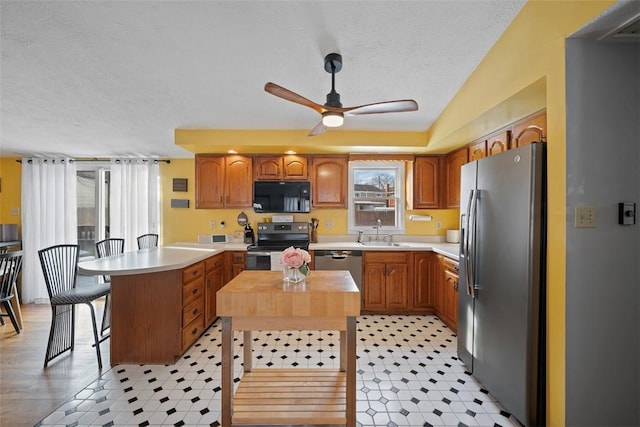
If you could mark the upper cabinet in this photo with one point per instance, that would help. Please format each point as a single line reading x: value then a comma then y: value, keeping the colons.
x: 454, y: 162
x: 223, y: 181
x: 426, y: 182
x: 277, y: 168
x: 498, y: 142
x: 478, y: 149
x: 329, y: 181
x: 530, y: 129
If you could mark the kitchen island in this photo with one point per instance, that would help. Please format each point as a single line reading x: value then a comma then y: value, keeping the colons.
x: 260, y: 300
x: 157, y: 301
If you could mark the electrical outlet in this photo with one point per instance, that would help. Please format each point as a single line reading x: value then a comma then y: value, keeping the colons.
x: 328, y: 225
x: 212, y: 224
x: 438, y: 225
x: 585, y: 216
x: 15, y: 211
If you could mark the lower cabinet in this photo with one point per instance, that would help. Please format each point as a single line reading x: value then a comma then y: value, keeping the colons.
x: 427, y: 270
x: 192, y: 303
x: 234, y: 264
x: 214, y: 282
x: 385, y: 281
x: 447, y: 307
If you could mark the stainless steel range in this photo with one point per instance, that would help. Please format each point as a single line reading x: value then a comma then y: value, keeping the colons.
x: 272, y: 239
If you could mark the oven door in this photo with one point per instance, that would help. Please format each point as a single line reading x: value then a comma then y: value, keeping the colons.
x: 258, y: 260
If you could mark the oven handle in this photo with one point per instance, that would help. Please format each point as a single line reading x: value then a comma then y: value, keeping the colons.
x: 258, y: 253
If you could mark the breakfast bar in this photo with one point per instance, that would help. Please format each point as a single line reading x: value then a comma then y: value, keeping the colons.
x: 260, y: 300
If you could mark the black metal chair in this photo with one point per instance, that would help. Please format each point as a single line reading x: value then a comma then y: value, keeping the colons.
x: 105, y: 248
x: 60, y: 269
x: 147, y: 241
x: 10, y: 266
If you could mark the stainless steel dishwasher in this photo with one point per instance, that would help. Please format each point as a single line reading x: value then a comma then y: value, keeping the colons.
x: 340, y: 260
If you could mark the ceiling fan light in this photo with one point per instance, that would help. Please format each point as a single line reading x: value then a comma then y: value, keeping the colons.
x: 332, y: 120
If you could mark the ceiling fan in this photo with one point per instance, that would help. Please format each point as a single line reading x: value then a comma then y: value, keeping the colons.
x: 332, y: 111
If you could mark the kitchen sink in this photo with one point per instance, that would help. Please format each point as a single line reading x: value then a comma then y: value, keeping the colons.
x: 384, y: 244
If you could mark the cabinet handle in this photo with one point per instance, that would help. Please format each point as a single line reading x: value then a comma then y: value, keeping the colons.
x: 195, y: 331
x: 195, y: 311
x: 194, y: 291
x: 195, y: 273
x: 456, y: 268
x: 455, y: 285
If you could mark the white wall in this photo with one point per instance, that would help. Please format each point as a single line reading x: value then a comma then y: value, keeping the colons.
x: 603, y: 263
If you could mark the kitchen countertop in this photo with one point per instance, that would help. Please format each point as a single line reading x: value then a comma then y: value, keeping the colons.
x: 182, y: 254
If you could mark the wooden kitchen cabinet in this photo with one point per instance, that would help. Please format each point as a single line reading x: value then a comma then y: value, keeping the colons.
x: 329, y: 182
x: 214, y: 281
x: 234, y: 263
x: 426, y: 182
x: 223, y: 181
x: 427, y: 275
x: 276, y: 168
x: 477, y: 149
x: 454, y: 162
x: 498, y: 142
x: 530, y: 129
x: 193, y: 321
x: 385, y: 281
x: 450, y: 284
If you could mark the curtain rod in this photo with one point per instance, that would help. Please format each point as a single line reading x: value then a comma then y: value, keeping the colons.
x: 103, y: 160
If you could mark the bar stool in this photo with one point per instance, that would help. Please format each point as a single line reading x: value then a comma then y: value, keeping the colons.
x: 60, y: 268
x: 105, y: 248
x: 147, y: 241
x: 10, y: 266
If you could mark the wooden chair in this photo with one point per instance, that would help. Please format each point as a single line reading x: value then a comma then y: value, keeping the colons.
x: 10, y: 266
x: 60, y: 268
x: 105, y: 248
x: 147, y: 241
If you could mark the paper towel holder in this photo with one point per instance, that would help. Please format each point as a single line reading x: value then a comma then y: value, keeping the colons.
x: 420, y: 218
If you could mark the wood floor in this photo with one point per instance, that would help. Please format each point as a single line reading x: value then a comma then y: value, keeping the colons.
x: 28, y: 391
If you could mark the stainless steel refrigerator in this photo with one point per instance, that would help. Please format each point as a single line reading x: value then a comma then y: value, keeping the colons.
x: 501, y: 303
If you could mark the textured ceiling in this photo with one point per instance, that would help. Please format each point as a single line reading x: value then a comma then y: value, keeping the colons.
x: 115, y: 78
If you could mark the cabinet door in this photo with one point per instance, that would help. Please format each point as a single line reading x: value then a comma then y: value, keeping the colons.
x: 497, y: 143
x: 478, y: 150
x: 426, y: 183
x: 329, y: 182
x: 396, y: 285
x: 426, y: 275
x: 238, y: 182
x: 233, y: 264
x: 530, y: 129
x: 209, y: 181
x: 439, y: 288
x: 268, y: 168
x: 214, y: 281
x: 454, y: 162
x: 295, y: 168
x: 374, y: 283
x: 451, y: 299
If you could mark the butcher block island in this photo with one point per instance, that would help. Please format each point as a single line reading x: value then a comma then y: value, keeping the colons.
x: 260, y: 300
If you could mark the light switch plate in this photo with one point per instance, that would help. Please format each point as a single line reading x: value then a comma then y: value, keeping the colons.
x: 585, y: 216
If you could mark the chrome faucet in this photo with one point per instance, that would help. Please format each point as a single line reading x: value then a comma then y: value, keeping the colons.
x: 377, y: 227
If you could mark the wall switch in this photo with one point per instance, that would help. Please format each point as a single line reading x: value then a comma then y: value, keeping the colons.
x: 15, y: 211
x: 438, y: 225
x: 328, y: 225
x: 222, y: 224
x: 212, y: 225
x: 585, y: 216
x: 626, y: 213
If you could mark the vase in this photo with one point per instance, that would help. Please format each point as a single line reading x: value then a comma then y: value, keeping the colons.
x: 292, y: 275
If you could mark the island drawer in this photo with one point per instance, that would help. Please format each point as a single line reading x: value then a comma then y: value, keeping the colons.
x: 192, y: 291
x: 193, y: 272
x: 192, y: 310
x: 192, y: 331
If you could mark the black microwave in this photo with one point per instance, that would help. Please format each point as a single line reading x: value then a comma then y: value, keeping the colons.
x: 281, y: 196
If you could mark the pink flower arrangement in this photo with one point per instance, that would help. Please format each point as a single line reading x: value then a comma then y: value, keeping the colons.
x: 296, y: 258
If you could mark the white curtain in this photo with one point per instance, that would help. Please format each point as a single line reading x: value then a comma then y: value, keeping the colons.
x: 135, y: 203
x: 49, y: 217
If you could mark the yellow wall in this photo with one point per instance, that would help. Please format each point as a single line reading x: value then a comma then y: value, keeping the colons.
x: 10, y: 185
x: 180, y: 224
x: 529, y: 53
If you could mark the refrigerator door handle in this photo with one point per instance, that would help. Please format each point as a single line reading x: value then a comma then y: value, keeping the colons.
x: 465, y: 246
x: 471, y: 248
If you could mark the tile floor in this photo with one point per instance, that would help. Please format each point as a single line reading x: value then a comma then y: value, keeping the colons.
x: 408, y: 375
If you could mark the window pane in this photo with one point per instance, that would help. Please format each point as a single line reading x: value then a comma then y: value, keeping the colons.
x: 86, y: 194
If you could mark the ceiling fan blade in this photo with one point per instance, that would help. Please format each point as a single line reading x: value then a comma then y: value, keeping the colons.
x: 319, y: 129
x: 288, y: 95
x: 383, y: 107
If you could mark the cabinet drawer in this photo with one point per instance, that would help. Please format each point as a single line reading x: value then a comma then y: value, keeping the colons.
x: 192, y: 291
x: 450, y: 265
x: 386, y: 257
x: 192, y: 331
x: 192, y: 310
x: 237, y: 258
x: 193, y: 272
x: 214, y: 262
